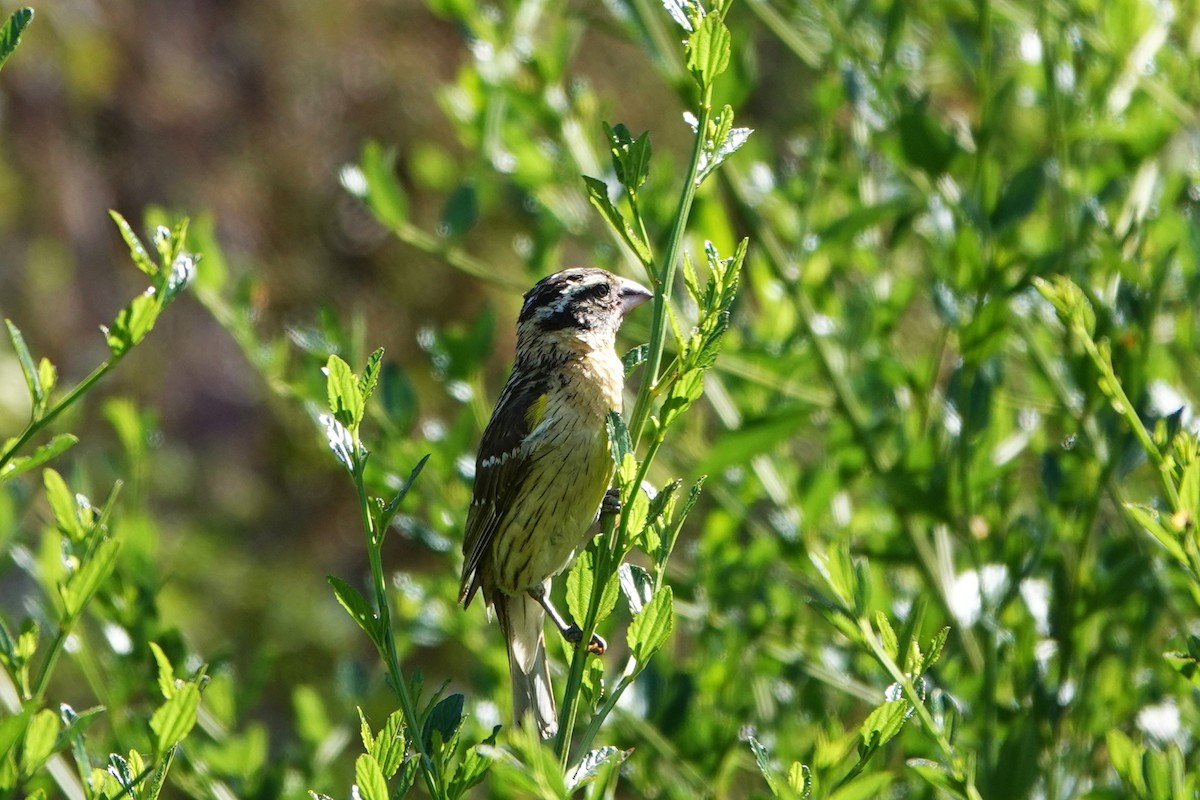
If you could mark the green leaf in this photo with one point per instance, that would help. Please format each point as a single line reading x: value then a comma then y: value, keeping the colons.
x: 1187, y: 664
x: 132, y: 323
x: 357, y: 607
x: 33, y: 378
x: 860, y: 219
x: 175, y: 718
x: 80, y: 587
x: 27, y: 640
x: 345, y: 399
x: 864, y: 787
x: 882, y: 724
x: 51, y: 449
x: 926, y: 144
x: 638, y: 511
x: 888, y: 636
x: 763, y: 759
x: 12, y: 728
x: 444, y: 719
x: 63, y: 505
x: 618, y: 438
x: 597, y: 192
x: 800, y: 779
x: 630, y: 157
x: 580, y: 580
x: 461, y: 212
x: 935, y: 648
x: 384, y: 194
x: 635, y: 358
x: 1150, y: 519
x: 10, y: 36
x: 1189, y: 492
x: 1020, y: 196
x: 649, y: 629
x: 369, y: 778
x: 370, y: 375
x: 166, y: 672
x: 592, y: 762
x: 473, y: 766
x: 388, y: 748
x: 637, y: 585
x: 364, y: 731
x: 385, y: 516
x: 708, y: 50
x: 140, y: 257
x: 40, y: 738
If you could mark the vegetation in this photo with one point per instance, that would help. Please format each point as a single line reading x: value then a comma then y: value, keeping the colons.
x: 909, y: 469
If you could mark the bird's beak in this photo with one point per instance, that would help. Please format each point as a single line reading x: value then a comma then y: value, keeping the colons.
x: 632, y: 295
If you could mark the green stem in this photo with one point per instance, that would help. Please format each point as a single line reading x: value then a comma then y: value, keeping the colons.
x: 664, y: 280
x: 62, y: 405
x: 915, y: 700
x: 387, y: 649
x: 570, y: 707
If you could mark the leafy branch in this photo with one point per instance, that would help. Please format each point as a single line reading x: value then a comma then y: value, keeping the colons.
x: 170, y: 275
x: 652, y: 522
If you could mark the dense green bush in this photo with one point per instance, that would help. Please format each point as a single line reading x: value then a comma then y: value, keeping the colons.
x: 924, y: 456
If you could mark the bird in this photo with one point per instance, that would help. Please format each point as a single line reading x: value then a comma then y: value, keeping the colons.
x: 544, y: 467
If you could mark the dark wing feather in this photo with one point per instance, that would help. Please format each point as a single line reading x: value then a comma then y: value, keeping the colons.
x: 499, y: 470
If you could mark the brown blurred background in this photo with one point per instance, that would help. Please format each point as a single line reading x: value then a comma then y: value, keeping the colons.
x: 246, y: 110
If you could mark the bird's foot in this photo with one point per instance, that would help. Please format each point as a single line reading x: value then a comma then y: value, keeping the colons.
x: 574, y: 635
x: 611, y: 504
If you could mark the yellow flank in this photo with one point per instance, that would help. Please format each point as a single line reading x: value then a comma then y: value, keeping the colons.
x: 537, y: 411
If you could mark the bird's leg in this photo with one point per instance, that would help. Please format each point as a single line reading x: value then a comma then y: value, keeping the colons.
x: 570, y: 631
x: 611, y: 504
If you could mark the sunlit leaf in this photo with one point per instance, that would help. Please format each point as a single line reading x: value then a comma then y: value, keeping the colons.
x: 83, y: 584
x: 40, y: 738
x: 384, y: 194
x: 166, y: 672
x: 59, y: 444
x: 637, y: 585
x: 175, y: 718
x: 33, y: 378
x: 136, y: 249
x: 649, y: 629
x: 370, y: 375
x: 708, y: 49
x: 388, y: 748
x: 12, y: 728
x: 132, y: 323
x: 592, y: 762
x: 345, y: 399
x: 368, y: 777
x: 888, y: 636
x: 763, y: 760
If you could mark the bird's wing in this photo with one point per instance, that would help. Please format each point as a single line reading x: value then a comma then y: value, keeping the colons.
x: 499, y: 470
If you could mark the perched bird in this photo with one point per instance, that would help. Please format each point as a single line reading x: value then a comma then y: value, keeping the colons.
x: 544, y: 466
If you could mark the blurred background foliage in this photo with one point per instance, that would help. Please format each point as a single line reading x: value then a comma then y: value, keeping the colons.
x: 894, y: 381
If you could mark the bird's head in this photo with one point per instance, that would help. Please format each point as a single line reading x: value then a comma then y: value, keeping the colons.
x: 578, y: 309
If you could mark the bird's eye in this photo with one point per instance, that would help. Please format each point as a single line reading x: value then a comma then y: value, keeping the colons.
x: 598, y: 292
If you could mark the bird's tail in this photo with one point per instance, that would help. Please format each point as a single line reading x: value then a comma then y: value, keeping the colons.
x: 521, y: 619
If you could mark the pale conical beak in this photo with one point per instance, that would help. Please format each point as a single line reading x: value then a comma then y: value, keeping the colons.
x: 632, y: 295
